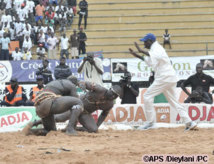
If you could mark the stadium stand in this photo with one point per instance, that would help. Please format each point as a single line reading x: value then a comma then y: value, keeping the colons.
x: 114, y: 25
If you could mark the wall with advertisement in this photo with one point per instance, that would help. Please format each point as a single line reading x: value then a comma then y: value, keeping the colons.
x: 184, y: 67
x: 25, y: 70
x: 16, y: 118
x: 135, y: 114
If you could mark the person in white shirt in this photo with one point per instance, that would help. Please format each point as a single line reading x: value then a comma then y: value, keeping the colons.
x: 22, y: 13
x: 27, y: 43
x: 26, y: 54
x: 17, y: 4
x: 5, y: 45
x: 40, y: 52
x: 92, y: 68
x: 8, y: 5
x: 52, y: 42
x: 17, y: 55
x: 64, y: 46
x: 30, y: 6
x: 165, y: 81
x: 12, y: 32
x: 19, y: 27
x: 6, y: 18
x: 41, y: 37
x: 70, y: 15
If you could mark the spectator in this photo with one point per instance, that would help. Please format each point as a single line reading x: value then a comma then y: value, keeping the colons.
x: 53, y: 2
x: 30, y: 7
x: 12, y: 32
x: 27, y: 43
x: 8, y: 6
x: 74, y: 45
x: 41, y: 37
x: 166, y: 39
x: 92, y: 68
x: 82, y: 38
x: 44, y: 2
x: 83, y: 6
x: 14, y: 94
x: 73, y: 4
x: 49, y: 17
x: 45, y: 72
x: 70, y: 16
x: 62, y: 71
x: 64, y: 46
x: 196, y: 81
x: 26, y: 54
x: 6, y: 18
x: 17, y: 55
x: 40, y: 52
x: 199, y: 96
x: 52, y: 42
x: 34, y: 90
x: 22, y: 13
x: 130, y: 90
x: 5, y: 45
x: 40, y: 9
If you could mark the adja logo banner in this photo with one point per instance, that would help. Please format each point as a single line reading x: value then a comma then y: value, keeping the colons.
x: 135, y: 114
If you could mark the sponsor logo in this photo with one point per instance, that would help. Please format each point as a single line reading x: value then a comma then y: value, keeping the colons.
x: 163, y: 114
x: 195, y: 113
x: 15, y: 119
x: 126, y: 114
x: 5, y: 71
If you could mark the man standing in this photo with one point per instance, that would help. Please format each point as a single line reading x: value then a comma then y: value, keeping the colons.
x: 83, y: 5
x: 74, y: 45
x: 62, y: 71
x: 40, y: 9
x: 5, y: 45
x: 165, y: 80
x: 198, y: 80
x: 82, y: 38
x: 52, y: 42
x: 45, y: 72
x: 64, y: 46
x: 92, y: 68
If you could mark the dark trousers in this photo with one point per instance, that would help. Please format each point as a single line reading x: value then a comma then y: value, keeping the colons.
x: 4, y: 55
x: 18, y: 103
x: 82, y: 49
x: 80, y: 20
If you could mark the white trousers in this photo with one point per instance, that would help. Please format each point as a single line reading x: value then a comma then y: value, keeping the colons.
x: 74, y: 52
x: 169, y: 91
x: 52, y: 54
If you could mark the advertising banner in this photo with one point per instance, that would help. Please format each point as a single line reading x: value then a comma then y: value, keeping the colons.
x: 15, y: 118
x: 135, y: 114
x: 184, y: 67
x: 25, y: 70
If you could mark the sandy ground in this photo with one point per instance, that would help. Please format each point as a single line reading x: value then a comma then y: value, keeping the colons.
x: 107, y: 146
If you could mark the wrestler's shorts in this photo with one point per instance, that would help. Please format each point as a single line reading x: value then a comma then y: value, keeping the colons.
x: 43, y: 108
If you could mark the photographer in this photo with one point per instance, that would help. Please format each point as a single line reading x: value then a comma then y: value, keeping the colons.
x: 198, y: 80
x: 199, y: 96
x: 45, y: 72
x: 130, y: 90
x: 92, y: 68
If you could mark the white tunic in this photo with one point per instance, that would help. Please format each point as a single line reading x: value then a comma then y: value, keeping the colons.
x: 160, y: 63
x: 90, y: 72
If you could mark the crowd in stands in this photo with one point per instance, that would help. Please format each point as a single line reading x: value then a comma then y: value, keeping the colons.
x: 33, y: 23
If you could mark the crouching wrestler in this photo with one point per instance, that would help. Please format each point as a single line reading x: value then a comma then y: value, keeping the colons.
x: 48, y: 104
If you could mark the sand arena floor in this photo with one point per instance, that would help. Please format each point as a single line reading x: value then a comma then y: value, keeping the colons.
x: 107, y: 146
